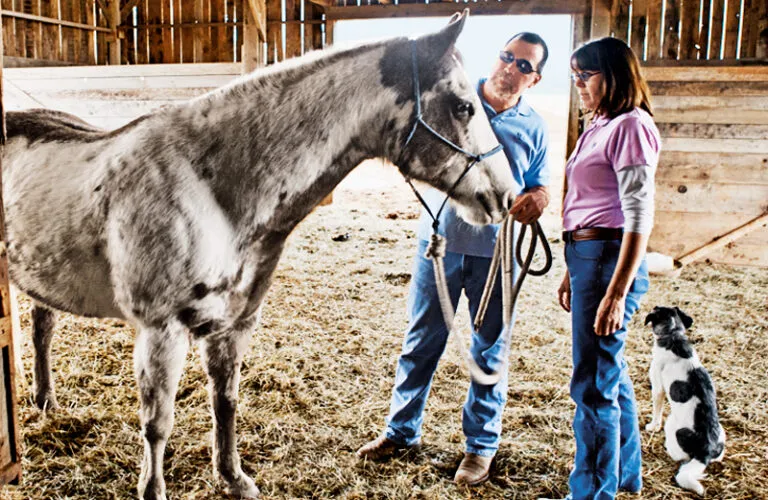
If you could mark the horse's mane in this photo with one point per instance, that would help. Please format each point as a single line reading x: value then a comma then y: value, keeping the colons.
x: 50, y: 125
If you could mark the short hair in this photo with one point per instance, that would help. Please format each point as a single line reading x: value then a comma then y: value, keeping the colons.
x: 533, y: 39
x: 625, y: 87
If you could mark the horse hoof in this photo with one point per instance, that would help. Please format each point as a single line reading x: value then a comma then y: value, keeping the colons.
x: 242, y: 487
x: 46, y: 401
x: 152, y: 490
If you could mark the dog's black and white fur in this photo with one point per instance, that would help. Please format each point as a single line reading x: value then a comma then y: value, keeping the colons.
x: 693, y: 433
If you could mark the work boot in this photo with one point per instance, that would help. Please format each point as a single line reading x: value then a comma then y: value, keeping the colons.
x: 473, y: 470
x: 383, y: 448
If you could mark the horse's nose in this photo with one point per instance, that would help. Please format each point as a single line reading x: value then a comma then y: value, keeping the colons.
x: 508, y: 200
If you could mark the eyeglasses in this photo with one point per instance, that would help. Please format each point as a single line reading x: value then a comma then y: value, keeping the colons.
x: 523, y: 65
x: 583, y: 76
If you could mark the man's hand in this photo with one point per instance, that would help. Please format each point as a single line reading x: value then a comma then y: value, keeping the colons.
x: 529, y: 206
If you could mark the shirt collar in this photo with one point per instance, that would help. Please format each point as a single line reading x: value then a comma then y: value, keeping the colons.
x: 521, y: 108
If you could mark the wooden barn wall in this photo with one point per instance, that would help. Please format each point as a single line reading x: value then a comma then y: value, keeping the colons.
x: 112, y: 96
x: 183, y: 31
x: 55, y: 31
x: 713, y: 170
x: 688, y: 30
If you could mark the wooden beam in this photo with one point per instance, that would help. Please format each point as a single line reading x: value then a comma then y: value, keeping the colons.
x: 600, y: 26
x: 441, y: 9
x: 50, y: 20
x: 127, y: 8
x: 329, y: 3
x: 706, y: 73
x: 258, y: 10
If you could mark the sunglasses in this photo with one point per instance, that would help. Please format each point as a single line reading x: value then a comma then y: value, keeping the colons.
x: 524, y: 66
x: 583, y: 76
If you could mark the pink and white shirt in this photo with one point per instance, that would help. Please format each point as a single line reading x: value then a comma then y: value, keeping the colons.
x: 610, y: 154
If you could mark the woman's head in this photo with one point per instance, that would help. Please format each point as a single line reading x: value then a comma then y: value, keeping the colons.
x: 607, y: 74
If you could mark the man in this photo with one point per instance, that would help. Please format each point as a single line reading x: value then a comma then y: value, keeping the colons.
x: 523, y: 134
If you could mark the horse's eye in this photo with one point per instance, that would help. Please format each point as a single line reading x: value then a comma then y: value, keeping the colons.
x: 463, y: 110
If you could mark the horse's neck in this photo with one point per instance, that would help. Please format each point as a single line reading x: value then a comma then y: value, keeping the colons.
x: 276, y: 144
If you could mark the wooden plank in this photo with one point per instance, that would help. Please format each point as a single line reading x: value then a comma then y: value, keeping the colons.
x: 252, y: 43
x: 600, y: 25
x: 129, y: 83
x: 707, y: 74
x: 716, y: 29
x: 37, y: 30
x: 694, y: 196
x: 78, y: 38
x: 5, y: 328
x: 259, y: 10
x: 188, y: 34
x: 274, y: 32
x: 50, y: 32
x: 691, y: 145
x: 620, y: 19
x: 177, y: 56
x: 724, y: 168
x: 677, y: 233
x: 749, y: 29
x: 671, y: 41
x: 142, y: 34
x: 579, y: 31
x: 731, y: 89
x: 689, y: 29
x: 704, y: 30
x: 169, y: 55
x: 53, y: 21
x: 712, y: 131
x: 292, y: 29
x: 638, y: 38
x: 709, y: 109
x: 155, y: 35
x: 731, y: 18
x: 90, y: 45
x: 154, y: 70
x: 441, y: 9
x: 655, y: 36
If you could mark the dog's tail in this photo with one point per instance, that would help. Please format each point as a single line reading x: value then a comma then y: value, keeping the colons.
x: 690, y: 474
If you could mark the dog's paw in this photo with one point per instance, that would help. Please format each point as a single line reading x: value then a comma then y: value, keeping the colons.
x: 653, y: 427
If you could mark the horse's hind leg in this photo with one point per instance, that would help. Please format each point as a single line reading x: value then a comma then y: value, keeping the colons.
x: 43, y: 321
x: 222, y: 357
x: 158, y: 357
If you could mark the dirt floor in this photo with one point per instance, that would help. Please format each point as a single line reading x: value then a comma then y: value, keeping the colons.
x: 317, y: 380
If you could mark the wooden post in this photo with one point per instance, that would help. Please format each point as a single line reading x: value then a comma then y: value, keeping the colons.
x: 255, y: 34
x: 274, y: 32
x: 600, y: 26
x: 671, y: 33
x: 10, y: 443
x: 639, y: 25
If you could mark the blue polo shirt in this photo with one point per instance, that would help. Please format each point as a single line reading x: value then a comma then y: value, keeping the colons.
x: 524, y: 136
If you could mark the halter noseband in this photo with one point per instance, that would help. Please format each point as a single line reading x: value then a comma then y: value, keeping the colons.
x: 420, y: 121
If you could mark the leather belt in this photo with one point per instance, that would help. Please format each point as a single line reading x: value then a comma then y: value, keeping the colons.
x: 593, y: 233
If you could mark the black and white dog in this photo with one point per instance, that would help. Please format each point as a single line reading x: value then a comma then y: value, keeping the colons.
x: 693, y: 433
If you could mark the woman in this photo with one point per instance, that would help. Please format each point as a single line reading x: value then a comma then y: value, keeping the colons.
x: 607, y: 217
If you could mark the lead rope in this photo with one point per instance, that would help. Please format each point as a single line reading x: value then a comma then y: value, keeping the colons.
x: 502, y: 254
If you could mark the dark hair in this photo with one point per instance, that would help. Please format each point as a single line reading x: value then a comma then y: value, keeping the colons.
x: 534, y: 39
x: 764, y: 34
x: 625, y: 87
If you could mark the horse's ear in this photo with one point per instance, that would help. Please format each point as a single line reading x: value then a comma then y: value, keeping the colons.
x: 436, y: 45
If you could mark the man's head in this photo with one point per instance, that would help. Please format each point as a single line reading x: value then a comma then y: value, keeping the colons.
x: 519, y: 65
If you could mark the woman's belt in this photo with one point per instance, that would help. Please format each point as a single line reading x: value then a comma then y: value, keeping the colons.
x: 593, y: 233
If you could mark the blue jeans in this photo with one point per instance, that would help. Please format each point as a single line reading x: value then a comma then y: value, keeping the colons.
x: 425, y: 341
x: 605, y: 425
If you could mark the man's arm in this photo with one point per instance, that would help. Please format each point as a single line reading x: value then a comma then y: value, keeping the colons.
x: 529, y: 206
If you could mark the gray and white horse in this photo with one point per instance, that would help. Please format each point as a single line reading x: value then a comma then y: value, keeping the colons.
x: 176, y: 221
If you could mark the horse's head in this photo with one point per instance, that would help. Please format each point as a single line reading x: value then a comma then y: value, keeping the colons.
x: 449, y: 106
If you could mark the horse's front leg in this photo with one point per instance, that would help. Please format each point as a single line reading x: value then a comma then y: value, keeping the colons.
x: 222, y: 357
x: 159, y: 357
x: 43, y: 321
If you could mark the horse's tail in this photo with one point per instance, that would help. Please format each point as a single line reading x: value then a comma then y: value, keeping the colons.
x: 690, y: 474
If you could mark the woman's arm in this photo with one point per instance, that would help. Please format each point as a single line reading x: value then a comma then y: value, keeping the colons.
x: 636, y: 188
x: 610, y: 313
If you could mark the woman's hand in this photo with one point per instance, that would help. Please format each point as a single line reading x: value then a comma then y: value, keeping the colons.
x: 564, y: 293
x: 610, y: 315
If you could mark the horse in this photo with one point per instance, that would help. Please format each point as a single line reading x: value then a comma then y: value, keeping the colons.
x: 176, y: 221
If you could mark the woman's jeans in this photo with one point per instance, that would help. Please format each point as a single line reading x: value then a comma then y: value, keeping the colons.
x: 605, y: 425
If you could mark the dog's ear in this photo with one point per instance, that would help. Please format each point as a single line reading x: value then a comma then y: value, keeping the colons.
x: 687, y: 320
x: 651, y: 316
